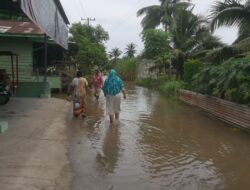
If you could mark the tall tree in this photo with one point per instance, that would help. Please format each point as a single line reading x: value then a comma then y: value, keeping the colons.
x: 189, y: 32
x: 232, y: 12
x: 156, y: 43
x: 114, y: 54
x: 130, y: 50
x: 156, y: 15
x: 90, y: 41
x: 190, y: 35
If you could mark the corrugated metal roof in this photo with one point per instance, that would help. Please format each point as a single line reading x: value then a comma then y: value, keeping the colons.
x: 19, y: 27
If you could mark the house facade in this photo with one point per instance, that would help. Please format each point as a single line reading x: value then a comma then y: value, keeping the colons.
x: 36, y: 49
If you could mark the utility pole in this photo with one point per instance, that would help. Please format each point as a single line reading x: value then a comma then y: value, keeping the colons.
x: 88, y: 19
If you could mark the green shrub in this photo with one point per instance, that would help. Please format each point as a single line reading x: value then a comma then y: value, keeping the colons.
x: 163, y: 85
x: 191, y: 67
x: 171, y: 88
x: 127, y: 68
x: 162, y: 78
x: 229, y: 80
x: 148, y: 82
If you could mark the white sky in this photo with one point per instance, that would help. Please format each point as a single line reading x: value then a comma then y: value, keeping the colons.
x: 118, y: 18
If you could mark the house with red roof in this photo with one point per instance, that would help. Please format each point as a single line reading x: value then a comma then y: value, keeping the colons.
x: 37, y: 32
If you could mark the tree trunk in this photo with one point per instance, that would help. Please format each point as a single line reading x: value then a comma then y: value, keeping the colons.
x: 169, y: 71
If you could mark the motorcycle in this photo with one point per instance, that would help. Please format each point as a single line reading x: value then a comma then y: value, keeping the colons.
x: 4, y: 94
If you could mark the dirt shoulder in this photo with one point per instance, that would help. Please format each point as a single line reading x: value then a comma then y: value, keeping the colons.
x: 33, y: 151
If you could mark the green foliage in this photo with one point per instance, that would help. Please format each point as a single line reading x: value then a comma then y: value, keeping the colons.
x: 162, y: 14
x: 171, y: 87
x: 148, y: 82
x: 164, y: 58
x: 178, y: 58
x: 156, y: 43
x: 115, y: 53
x: 153, y: 82
x: 127, y: 68
x: 190, y: 34
x: 163, y: 85
x: 191, y: 67
x: 130, y: 50
x: 230, y: 12
x: 230, y: 80
x: 162, y: 78
x: 90, y: 41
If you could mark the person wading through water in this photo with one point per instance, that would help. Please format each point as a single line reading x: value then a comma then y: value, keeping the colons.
x: 97, y: 83
x: 78, y: 92
x: 112, y: 87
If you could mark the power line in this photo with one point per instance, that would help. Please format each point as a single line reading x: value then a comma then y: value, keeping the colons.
x: 82, y: 7
x: 85, y: 4
x: 79, y: 11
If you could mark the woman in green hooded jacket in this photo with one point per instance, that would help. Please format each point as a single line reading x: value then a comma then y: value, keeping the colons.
x: 112, y: 88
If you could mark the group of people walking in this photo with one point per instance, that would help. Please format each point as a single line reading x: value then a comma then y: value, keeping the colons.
x: 111, y: 85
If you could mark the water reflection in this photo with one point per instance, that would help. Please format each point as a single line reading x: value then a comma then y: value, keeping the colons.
x: 183, y: 148
x: 107, y: 158
x: 162, y: 144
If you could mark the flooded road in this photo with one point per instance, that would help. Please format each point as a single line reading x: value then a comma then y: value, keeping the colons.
x: 158, y: 144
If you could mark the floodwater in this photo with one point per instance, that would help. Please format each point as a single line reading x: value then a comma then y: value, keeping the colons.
x: 158, y: 144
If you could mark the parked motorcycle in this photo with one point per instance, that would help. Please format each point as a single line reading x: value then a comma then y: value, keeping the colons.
x: 4, y: 93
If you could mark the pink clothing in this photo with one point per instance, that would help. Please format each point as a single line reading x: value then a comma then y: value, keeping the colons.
x: 97, y: 81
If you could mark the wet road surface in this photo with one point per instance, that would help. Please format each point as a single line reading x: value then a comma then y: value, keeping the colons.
x: 158, y: 144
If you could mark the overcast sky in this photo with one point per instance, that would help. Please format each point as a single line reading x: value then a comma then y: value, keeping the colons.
x: 118, y: 18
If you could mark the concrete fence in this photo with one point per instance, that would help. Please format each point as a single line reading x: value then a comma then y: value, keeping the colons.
x: 144, y: 69
x: 235, y: 114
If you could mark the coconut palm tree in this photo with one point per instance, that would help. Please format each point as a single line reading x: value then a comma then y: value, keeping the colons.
x: 156, y: 15
x: 190, y: 33
x: 232, y: 12
x: 190, y: 36
x: 130, y: 50
x: 114, y: 54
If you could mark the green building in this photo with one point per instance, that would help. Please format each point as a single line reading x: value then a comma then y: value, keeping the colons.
x: 23, y: 34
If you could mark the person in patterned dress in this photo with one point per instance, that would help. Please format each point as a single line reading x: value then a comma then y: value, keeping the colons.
x: 97, y: 83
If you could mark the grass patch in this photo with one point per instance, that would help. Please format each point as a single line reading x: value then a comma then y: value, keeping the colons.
x: 169, y: 88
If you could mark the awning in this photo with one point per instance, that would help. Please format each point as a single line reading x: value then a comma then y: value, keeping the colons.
x: 50, y: 17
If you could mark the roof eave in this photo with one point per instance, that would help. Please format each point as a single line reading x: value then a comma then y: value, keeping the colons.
x: 60, y: 7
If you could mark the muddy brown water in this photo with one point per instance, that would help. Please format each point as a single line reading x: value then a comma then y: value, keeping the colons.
x: 158, y: 144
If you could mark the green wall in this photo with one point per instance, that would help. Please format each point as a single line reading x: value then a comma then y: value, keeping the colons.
x: 24, y: 49
x: 54, y: 81
x: 33, y: 89
x: 27, y: 86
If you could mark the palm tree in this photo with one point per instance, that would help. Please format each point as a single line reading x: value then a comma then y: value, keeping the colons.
x: 114, y: 54
x: 190, y: 33
x: 232, y: 12
x: 228, y: 13
x: 190, y: 36
x: 130, y: 50
x: 160, y: 14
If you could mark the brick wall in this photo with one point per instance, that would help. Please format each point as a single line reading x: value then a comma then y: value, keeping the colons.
x: 235, y: 114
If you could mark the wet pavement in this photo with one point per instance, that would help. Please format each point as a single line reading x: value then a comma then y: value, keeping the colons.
x: 33, y: 150
x: 158, y: 144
